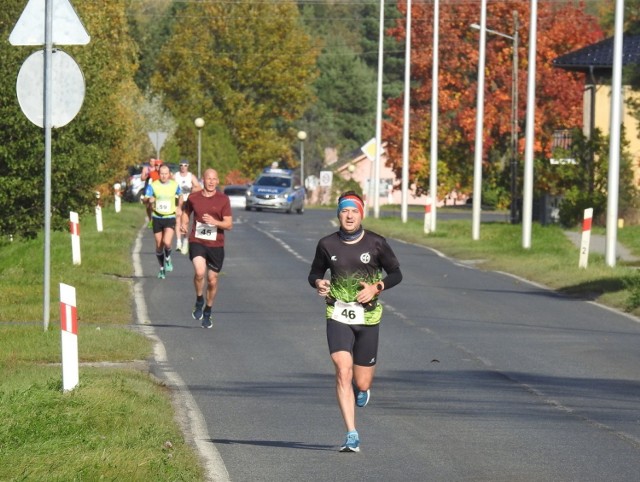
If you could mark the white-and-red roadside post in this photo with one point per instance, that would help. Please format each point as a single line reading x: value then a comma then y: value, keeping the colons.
x: 98, y: 212
x: 586, y: 238
x: 74, y: 228
x: 117, y: 196
x: 69, y: 331
x: 427, y: 216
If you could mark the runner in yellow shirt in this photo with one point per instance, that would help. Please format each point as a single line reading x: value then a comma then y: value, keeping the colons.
x: 161, y: 195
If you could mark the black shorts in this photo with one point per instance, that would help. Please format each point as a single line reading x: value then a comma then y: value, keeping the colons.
x: 160, y: 224
x: 359, y: 340
x: 213, y: 256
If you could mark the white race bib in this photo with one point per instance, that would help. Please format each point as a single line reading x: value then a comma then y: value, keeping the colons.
x: 207, y: 232
x: 163, y: 207
x: 349, y: 313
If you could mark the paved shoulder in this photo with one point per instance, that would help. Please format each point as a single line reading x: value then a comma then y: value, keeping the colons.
x: 597, y: 245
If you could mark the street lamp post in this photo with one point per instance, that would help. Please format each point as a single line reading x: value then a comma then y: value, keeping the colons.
x: 302, y: 136
x: 199, y: 122
x: 514, y: 114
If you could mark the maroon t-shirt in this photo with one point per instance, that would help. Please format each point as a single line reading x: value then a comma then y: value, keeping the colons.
x: 217, y: 206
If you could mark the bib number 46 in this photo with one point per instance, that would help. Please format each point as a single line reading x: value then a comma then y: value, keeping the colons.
x: 349, y: 313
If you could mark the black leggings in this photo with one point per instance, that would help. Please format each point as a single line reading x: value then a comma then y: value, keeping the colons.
x: 359, y: 340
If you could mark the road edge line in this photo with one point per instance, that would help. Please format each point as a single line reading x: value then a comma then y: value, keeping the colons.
x: 189, y: 416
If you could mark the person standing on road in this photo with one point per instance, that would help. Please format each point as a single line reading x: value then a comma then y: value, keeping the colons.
x: 161, y: 196
x: 211, y: 218
x: 355, y: 259
x: 188, y: 183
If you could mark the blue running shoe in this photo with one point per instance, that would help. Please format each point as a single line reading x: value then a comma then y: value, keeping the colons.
x: 161, y: 274
x: 351, y: 443
x: 362, y: 398
x: 167, y: 265
x: 206, y: 320
x: 197, y: 310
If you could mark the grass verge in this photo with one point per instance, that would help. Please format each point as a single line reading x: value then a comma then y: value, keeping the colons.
x: 118, y: 423
x: 552, y: 259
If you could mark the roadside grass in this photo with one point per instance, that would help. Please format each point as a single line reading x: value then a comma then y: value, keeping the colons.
x: 552, y: 259
x: 118, y: 424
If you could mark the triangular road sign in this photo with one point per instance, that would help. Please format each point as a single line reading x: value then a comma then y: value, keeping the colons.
x: 67, y: 28
x: 157, y: 139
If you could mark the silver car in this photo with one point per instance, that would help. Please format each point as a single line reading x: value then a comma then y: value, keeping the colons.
x: 275, y: 190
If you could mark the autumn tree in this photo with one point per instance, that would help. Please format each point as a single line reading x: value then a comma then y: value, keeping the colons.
x: 344, y: 115
x: 150, y: 22
x: 631, y: 17
x: 562, y: 27
x: 393, y: 47
x: 246, y: 68
x: 93, y: 149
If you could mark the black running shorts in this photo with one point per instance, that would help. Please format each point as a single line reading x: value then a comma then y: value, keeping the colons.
x: 359, y: 340
x: 160, y: 224
x: 213, y: 256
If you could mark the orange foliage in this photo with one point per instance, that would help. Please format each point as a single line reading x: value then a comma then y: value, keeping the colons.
x: 236, y: 177
x: 562, y: 27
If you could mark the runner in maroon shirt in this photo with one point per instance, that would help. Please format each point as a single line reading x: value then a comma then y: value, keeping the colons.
x: 211, y: 218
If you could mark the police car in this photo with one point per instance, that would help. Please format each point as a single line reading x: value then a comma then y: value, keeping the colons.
x: 275, y: 189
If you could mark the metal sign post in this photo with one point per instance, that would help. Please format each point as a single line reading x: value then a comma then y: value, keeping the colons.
x: 36, y: 27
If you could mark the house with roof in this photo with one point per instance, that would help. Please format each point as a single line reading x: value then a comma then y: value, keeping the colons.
x: 359, y: 166
x: 595, y: 61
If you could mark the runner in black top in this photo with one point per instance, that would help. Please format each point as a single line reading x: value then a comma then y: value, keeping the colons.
x: 356, y: 259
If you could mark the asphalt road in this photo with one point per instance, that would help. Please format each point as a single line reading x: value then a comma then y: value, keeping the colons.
x: 481, y: 376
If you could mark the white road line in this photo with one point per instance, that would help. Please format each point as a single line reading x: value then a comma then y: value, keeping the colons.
x: 189, y: 415
x: 284, y: 245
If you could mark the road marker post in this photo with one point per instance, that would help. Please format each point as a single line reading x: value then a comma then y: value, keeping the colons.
x: 427, y: 216
x: 117, y: 196
x: 98, y: 213
x: 586, y: 238
x: 69, y: 334
x: 74, y: 228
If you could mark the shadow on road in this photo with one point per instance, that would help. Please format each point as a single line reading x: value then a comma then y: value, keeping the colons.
x: 275, y: 443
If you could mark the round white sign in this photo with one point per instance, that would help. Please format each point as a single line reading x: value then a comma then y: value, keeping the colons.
x: 326, y: 178
x: 67, y: 88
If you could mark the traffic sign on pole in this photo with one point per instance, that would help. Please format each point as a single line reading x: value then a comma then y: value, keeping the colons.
x: 67, y: 27
x: 157, y: 139
x: 36, y: 27
x: 369, y: 149
x: 68, y: 88
x: 326, y: 178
